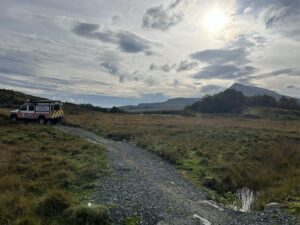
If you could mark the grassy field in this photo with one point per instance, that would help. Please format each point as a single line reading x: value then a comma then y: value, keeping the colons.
x: 46, y: 176
x: 221, y: 153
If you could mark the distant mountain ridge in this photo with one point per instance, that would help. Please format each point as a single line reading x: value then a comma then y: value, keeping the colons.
x: 173, y: 104
x: 249, y: 91
x: 178, y: 104
x: 252, y: 90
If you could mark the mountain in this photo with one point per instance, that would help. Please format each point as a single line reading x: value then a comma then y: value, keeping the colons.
x: 173, y: 104
x: 252, y: 91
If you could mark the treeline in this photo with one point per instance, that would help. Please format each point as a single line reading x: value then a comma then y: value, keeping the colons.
x: 232, y: 101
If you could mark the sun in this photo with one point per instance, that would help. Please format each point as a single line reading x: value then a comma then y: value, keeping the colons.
x: 214, y: 21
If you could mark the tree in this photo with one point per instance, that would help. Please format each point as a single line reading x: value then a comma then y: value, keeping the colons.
x: 224, y: 102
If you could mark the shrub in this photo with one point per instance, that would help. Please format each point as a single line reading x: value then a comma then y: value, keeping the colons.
x: 84, y: 215
x: 54, y: 203
x: 27, y: 221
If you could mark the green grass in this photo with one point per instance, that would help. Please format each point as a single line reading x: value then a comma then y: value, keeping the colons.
x: 44, y: 172
x: 218, y: 152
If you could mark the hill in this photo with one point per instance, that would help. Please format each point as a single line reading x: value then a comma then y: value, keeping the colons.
x: 249, y: 91
x: 178, y: 104
x: 173, y: 104
x: 10, y: 98
x: 233, y: 101
x: 13, y: 99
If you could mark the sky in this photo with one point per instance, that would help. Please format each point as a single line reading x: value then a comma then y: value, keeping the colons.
x: 116, y: 52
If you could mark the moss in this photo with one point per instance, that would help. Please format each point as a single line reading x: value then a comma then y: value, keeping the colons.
x: 294, y: 208
x: 131, y: 220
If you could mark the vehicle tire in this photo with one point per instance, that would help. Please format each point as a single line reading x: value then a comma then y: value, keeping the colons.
x: 13, y: 118
x: 53, y: 122
x: 42, y: 121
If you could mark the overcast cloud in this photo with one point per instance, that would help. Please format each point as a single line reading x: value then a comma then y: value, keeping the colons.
x: 110, y: 53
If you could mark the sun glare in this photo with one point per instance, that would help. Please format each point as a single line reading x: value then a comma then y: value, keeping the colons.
x: 214, y: 21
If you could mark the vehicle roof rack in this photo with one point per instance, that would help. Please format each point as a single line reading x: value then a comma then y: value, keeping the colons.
x: 41, y: 101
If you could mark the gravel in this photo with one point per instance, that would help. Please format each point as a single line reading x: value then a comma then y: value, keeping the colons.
x: 144, y: 185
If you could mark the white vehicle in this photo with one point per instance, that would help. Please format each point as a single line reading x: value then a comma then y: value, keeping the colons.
x: 40, y: 110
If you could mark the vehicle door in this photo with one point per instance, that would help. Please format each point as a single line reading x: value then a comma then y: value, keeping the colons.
x: 30, y: 112
x: 22, y: 111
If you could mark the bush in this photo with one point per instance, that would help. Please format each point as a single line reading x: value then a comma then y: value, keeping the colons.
x: 84, y: 215
x: 54, y: 203
x: 27, y: 221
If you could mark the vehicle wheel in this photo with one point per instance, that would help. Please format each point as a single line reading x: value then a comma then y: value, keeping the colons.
x: 13, y: 118
x: 42, y: 121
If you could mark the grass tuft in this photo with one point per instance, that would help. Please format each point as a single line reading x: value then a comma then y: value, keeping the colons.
x: 54, y: 203
x: 84, y: 215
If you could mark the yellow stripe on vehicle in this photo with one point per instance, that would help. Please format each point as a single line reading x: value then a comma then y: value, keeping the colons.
x: 56, y: 113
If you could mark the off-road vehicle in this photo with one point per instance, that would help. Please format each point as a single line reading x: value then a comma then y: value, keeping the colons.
x: 39, y: 110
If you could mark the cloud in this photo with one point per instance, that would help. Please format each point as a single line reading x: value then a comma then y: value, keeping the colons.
x: 150, y: 81
x: 280, y: 72
x: 278, y: 15
x: 132, y: 43
x: 222, y: 56
x: 126, y: 41
x: 112, y: 67
x: 211, y: 88
x: 291, y: 86
x: 164, y: 68
x: 229, y: 62
x: 186, y: 65
x: 14, y: 61
x: 224, y: 72
x: 116, y: 19
x: 258, y: 5
x: 162, y: 18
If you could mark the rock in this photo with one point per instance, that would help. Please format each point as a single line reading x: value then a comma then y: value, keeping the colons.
x: 211, y: 203
x: 202, y: 220
x: 273, y: 206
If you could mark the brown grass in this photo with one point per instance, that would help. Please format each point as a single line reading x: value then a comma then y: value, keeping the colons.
x: 219, y: 152
x: 43, y: 170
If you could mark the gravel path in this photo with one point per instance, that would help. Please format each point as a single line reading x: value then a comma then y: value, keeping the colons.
x: 144, y: 185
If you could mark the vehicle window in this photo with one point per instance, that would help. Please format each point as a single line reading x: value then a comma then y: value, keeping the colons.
x: 42, y: 108
x: 31, y: 108
x: 56, y: 107
x: 23, y: 107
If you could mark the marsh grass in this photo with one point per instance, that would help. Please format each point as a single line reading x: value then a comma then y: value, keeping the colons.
x: 43, y: 172
x: 219, y: 152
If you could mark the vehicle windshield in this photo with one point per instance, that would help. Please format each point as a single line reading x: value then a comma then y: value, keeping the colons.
x: 23, y: 107
x: 56, y: 107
